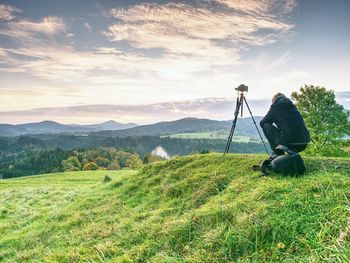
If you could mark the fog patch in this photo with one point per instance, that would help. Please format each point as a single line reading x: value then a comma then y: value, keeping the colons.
x: 159, y: 151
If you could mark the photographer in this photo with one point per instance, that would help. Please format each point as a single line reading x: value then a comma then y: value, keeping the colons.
x: 284, y: 125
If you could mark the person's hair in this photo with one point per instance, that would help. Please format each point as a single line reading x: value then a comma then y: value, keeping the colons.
x: 276, y: 96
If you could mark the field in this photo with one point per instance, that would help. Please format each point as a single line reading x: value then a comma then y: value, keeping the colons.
x: 210, y: 135
x: 199, y: 208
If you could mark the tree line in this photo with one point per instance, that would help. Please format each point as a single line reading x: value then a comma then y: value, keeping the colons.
x: 29, y: 155
x: 58, y: 160
x: 141, y: 145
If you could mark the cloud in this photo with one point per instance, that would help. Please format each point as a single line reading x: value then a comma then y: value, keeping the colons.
x: 30, y: 33
x: 189, y: 38
x: 59, y: 62
x: 266, y: 8
x: 87, y: 26
x: 65, y: 63
x: 199, y: 37
x: 343, y: 98
x: 33, y: 40
x: 7, y: 12
x: 343, y: 94
x: 264, y: 63
x: 288, y: 77
x: 182, y: 28
x: 178, y: 49
x: 212, y: 108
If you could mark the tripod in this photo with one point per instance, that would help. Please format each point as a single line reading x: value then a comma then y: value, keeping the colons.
x: 239, y: 107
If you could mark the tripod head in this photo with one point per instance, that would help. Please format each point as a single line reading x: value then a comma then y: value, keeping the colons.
x: 242, y: 88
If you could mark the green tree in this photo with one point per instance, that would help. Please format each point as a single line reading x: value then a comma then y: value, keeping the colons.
x: 90, y: 166
x: 102, y: 162
x: 134, y: 162
x: 325, y: 118
x: 114, y: 165
x: 93, y: 154
x: 71, y: 164
x: 122, y: 158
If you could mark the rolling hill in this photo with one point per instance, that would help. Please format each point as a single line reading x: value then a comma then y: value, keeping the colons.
x: 111, y: 128
x: 244, y: 126
x: 199, y: 208
x: 51, y: 127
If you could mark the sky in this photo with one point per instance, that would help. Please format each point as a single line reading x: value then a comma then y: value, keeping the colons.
x: 87, y: 61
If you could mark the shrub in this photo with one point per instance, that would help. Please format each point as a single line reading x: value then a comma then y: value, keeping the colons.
x: 102, y: 162
x: 71, y: 164
x: 134, y: 162
x: 114, y: 165
x: 107, y: 179
x: 90, y: 166
x: 149, y: 158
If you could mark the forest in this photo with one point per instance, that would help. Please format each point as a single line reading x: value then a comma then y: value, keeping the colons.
x: 38, y: 154
x: 58, y: 160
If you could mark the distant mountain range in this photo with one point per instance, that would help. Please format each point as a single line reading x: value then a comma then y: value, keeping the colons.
x: 51, y: 127
x: 170, y: 127
x: 245, y: 126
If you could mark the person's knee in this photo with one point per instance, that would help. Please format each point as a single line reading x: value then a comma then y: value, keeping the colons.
x: 298, y: 148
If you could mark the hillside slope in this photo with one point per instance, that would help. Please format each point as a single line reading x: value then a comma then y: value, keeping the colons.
x: 200, y: 208
x: 51, y: 127
x: 245, y: 126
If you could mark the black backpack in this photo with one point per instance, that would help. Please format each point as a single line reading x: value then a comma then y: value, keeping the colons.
x: 289, y: 163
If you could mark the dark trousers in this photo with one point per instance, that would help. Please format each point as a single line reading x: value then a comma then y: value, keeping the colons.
x: 274, y: 137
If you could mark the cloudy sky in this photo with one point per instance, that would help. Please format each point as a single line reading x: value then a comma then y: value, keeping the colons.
x: 87, y: 61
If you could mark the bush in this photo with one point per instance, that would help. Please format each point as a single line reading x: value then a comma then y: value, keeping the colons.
x: 107, y: 179
x: 149, y: 158
x: 71, y: 164
x: 134, y: 162
x: 102, y: 162
x: 90, y: 166
x: 114, y: 165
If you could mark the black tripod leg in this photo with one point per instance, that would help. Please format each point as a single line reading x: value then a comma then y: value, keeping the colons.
x: 229, y: 139
x: 239, y: 104
x: 251, y: 115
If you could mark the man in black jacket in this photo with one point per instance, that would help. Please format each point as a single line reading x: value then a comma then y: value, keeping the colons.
x: 284, y: 125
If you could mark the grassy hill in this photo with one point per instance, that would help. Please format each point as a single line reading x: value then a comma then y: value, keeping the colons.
x: 200, y: 208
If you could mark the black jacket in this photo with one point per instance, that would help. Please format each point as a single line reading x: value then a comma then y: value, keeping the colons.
x: 289, y: 120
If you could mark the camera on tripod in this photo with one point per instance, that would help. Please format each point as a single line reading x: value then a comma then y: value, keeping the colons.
x: 242, y: 88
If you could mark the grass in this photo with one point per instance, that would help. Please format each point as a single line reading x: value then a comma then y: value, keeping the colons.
x: 199, y: 208
x: 209, y: 135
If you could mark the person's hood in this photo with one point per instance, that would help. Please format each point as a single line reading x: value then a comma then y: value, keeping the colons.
x: 283, y: 102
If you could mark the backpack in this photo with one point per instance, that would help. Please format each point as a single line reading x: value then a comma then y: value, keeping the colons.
x: 289, y: 163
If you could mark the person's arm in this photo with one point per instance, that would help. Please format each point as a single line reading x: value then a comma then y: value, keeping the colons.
x: 269, y: 117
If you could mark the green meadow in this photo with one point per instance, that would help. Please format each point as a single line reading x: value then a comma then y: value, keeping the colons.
x: 209, y: 135
x: 198, y: 208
